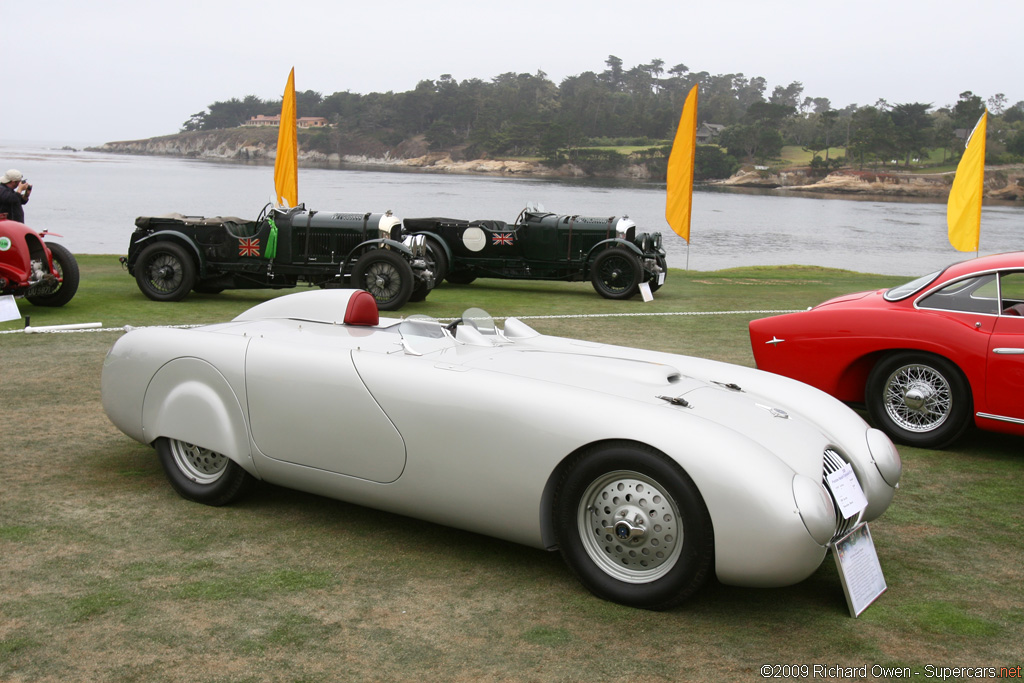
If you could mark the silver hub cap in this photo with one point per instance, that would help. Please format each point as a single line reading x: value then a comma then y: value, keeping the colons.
x: 917, y: 398
x: 630, y: 527
x: 201, y: 465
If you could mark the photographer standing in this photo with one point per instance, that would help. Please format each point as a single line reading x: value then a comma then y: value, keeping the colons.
x: 14, y: 193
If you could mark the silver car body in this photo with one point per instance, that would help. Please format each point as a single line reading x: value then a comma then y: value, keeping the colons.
x: 473, y: 430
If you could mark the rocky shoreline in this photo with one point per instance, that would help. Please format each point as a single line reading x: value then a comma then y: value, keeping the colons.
x: 1001, y: 182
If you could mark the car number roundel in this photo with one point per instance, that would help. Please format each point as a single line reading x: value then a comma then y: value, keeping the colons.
x: 474, y: 239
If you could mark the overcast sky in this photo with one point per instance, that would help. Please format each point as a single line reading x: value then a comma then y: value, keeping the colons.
x: 92, y: 72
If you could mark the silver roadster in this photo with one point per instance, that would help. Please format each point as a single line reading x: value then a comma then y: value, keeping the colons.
x: 648, y: 471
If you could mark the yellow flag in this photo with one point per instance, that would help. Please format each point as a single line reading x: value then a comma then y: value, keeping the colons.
x: 286, y: 165
x: 679, y: 193
x: 963, y: 209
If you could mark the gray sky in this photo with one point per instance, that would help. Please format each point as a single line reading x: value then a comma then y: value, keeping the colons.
x: 87, y: 73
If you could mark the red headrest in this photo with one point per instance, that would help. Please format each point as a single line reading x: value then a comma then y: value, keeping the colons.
x: 362, y: 309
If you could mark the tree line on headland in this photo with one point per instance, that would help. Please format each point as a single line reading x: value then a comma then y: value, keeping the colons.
x: 577, y: 120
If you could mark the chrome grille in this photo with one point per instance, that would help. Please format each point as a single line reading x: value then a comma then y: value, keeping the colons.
x: 833, y: 463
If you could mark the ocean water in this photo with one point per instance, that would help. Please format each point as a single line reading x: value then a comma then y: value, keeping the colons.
x: 92, y: 200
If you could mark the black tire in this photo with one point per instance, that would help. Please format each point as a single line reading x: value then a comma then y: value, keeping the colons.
x: 62, y: 292
x: 201, y: 288
x: 919, y: 399
x: 437, y: 260
x: 460, y: 278
x: 419, y: 291
x: 385, y: 275
x: 165, y: 271
x: 200, y: 474
x: 616, y: 274
x: 664, y: 267
x: 666, y: 548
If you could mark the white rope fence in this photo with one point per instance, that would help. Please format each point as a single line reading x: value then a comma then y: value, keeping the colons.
x: 97, y: 327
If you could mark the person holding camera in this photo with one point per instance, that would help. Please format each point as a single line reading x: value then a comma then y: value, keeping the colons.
x: 14, y: 193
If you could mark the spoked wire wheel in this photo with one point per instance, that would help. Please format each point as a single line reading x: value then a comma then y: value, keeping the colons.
x: 918, y: 398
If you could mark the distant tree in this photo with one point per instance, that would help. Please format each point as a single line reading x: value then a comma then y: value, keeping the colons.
x: 711, y: 162
x: 968, y: 110
x: 997, y: 103
x: 1015, y: 113
x: 788, y: 96
x: 872, y: 135
x: 913, y: 130
x: 751, y: 142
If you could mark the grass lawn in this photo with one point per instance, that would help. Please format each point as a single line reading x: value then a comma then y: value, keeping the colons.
x: 108, y: 575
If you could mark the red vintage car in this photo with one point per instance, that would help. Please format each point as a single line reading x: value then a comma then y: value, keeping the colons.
x: 42, y: 271
x: 927, y: 358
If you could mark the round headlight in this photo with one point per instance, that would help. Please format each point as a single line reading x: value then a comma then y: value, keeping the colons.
x: 886, y: 457
x: 816, y: 508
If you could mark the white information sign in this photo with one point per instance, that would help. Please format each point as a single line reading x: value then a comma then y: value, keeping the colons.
x: 847, y: 491
x: 859, y: 569
x: 645, y: 291
x: 8, y: 308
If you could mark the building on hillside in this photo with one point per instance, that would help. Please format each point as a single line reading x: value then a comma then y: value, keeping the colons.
x: 707, y: 133
x: 301, y: 122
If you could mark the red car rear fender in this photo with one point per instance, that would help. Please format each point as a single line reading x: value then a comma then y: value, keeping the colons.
x: 23, y: 246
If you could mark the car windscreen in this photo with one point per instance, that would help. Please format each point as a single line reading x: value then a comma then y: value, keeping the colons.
x: 913, y: 287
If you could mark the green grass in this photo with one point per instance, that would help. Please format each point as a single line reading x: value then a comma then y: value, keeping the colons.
x: 109, y: 575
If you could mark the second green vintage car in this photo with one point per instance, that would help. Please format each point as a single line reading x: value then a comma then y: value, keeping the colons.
x: 608, y: 251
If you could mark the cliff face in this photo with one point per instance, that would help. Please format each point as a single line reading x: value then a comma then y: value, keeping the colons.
x: 1001, y: 182
x: 255, y: 144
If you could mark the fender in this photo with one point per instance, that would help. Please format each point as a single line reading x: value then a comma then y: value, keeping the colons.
x: 378, y: 244
x: 437, y: 238
x: 608, y: 243
x: 172, y: 236
x: 200, y: 409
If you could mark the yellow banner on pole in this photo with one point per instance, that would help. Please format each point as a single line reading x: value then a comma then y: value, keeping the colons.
x: 679, y: 190
x: 286, y: 163
x: 963, y: 208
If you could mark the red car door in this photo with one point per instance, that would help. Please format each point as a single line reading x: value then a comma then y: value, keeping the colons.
x: 1004, y: 390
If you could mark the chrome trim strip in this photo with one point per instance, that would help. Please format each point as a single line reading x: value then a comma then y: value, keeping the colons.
x: 1000, y: 418
x: 1009, y: 351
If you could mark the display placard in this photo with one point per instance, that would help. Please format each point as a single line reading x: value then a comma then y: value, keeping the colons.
x: 859, y: 569
x: 8, y: 308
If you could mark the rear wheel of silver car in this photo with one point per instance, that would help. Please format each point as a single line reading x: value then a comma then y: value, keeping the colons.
x: 919, y: 399
x: 616, y: 274
x: 165, y: 271
x: 385, y: 275
x: 200, y: 474
x: 633, y: 527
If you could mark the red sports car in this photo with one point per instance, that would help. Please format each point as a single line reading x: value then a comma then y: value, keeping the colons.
x: 926, y: 358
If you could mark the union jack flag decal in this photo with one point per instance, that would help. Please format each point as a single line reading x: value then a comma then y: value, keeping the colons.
x: 502, y: 238
x: 249, y: 246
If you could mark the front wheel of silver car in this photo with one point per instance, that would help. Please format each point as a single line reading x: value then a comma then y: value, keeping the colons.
x: 919, y: 399
x: 633, y: 527
x: 200, y: 474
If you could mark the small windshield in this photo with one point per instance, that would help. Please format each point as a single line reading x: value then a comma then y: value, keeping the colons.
x: 422, y: 334
x: 913, y: 287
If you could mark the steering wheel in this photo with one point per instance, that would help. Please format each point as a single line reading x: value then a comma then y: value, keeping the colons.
x: 453, y: 325
x: 264, y: 212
